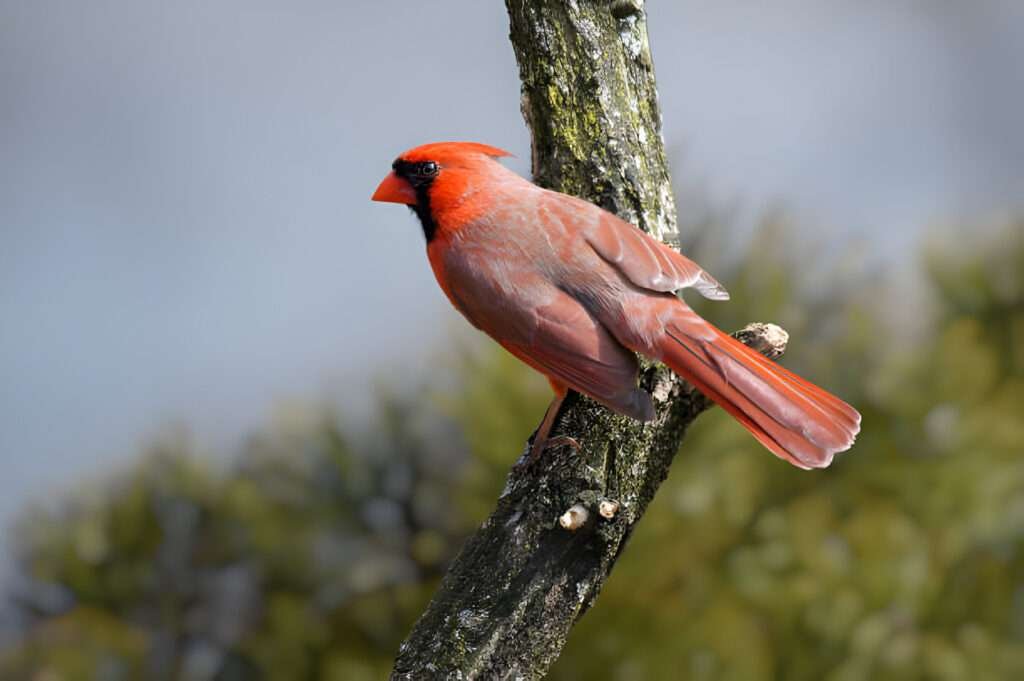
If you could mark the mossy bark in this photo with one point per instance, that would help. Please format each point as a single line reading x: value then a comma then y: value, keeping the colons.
x: 590, y: 100
x: 508, y: 601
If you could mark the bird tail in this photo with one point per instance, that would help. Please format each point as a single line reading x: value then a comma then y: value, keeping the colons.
x: 795, y: 419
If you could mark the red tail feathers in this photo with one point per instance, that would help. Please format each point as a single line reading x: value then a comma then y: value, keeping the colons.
x: 795, y: 419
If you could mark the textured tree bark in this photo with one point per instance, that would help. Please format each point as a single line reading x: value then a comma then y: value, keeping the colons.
x: 590, y: 100
x: 508, y: 601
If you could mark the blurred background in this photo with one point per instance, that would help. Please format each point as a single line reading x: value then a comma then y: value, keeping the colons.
x: 242, y: 432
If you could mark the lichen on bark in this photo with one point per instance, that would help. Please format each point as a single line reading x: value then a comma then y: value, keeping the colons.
x: 507, y: 603
x: 589, y: 98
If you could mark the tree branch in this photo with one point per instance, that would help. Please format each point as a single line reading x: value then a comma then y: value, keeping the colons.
x: 508, y: 601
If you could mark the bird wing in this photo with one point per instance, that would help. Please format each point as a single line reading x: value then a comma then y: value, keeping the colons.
x: 506, y: 297
x: 569, y: 346
x: 645, y: 261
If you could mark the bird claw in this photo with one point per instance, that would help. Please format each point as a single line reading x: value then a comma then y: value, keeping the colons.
x: 561, y: 441
x: 537, y: 449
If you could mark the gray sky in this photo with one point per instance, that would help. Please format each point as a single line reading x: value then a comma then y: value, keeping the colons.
x: 185, y: 230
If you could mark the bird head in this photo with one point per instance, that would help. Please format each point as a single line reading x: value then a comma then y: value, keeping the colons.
x: 437, y: 177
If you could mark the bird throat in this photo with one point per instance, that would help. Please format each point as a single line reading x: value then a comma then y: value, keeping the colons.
x: 423, y: 212
x: 420, y: 184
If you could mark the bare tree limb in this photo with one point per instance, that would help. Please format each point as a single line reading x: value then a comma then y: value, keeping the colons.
x: 508, y: 601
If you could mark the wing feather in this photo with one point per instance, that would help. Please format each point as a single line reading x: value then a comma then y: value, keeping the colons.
x: 568, y: 345
x: 646, y: 262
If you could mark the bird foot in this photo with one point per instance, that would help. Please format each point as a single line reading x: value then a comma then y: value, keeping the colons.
x: 561, y: 441
x: 538, y: 448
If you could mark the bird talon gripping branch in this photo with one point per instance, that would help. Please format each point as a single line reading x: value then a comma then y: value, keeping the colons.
x: 575, y: 292
x: 562, y: 441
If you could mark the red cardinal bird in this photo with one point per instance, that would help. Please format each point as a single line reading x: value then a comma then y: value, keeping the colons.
x: 574, y: 291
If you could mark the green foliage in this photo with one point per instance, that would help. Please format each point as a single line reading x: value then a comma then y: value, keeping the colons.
x: 902, y: 561
x: 310, y: 557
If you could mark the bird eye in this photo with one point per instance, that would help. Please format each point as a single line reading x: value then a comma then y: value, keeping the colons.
x: 427, y: 169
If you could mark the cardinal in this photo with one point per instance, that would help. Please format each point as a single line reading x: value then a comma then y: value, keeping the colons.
x: 575, y: 292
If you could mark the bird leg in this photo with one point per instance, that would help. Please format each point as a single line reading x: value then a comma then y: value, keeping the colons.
x: 542, y: 439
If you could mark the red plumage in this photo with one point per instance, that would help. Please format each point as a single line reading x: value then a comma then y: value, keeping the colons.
x: 573, y: 291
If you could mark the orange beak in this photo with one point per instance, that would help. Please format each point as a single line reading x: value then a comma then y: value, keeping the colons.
x: 395, y: 190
